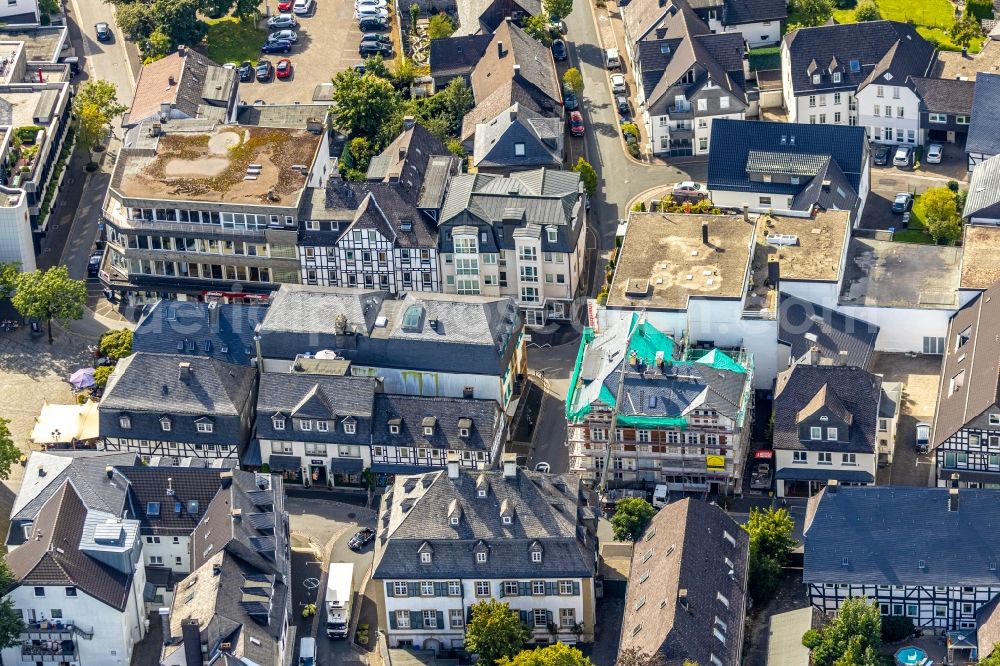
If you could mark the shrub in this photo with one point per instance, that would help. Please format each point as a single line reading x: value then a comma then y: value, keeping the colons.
x: 896, y: 628
x: 115, y: 344
x: 981, y: 9
x: 953, y: 185
x: 633, y: 148
x: 867, y: 10
x: 102, y: 374
x: 440, y: 26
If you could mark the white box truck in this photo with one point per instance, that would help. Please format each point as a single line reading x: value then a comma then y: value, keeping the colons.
x: 339, y: 590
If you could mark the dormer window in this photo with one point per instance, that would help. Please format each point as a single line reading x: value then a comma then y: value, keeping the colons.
x: 428, y: 430
x: 322, y: 426
x: 428, y: 424
x: 394, y: 429
x: 507, y: 520
x: 463, y: 432
x: 552, y: 234
x: 481, y: 492
x: 425, y: 558
x: 536, y: 557
x: 836, y: 77
x: 204, y: 427
x: 278, y: 422
x: 305, y: 425
x: 125, y: 422
x: 481, y: 557
x: 454, y: 520
x: 816, y: 79
x: 464, y: 427
x: 350, y: 426
x: 165, y: 424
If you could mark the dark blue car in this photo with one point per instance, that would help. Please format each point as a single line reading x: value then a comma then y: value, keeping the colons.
x: 276, y: 46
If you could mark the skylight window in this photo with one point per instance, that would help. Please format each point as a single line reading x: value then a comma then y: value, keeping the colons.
x: 152, y: 508
x: 855, y: 66
x: 412, y: 318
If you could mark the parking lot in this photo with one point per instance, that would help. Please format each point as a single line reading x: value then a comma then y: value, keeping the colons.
x: 328, y: 41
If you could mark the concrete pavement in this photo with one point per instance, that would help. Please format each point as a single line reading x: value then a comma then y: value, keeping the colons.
x: 116, y: 61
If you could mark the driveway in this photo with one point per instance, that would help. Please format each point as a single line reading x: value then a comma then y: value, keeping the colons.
x: 328, y: 41
x: 320, y: 532
x: 953, y: 166
x: 920, y: 376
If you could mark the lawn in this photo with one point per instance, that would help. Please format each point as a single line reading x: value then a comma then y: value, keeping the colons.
x: 765, y: 57
x: 230, y: 40
x: 913, y: 236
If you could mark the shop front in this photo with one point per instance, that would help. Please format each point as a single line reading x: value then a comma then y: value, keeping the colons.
x: 289, y: 467
x: 346, y: 471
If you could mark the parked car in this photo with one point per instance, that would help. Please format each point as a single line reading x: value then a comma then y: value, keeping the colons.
x: 302, y: 7
x: 618, y: 84
x: 570, y: 100
x: 557, y: 26
x: 103, y: 31
x: 880, y: 155
x: 621, y: 103
x: 923, y: 438
x: 576, y: 127
x: 543, y: 467
x: 903, y: 156
x: 287, y: 35
x: 902, y: 203
x: 245, y: 70
x: 94, y: 265
x: 360, y: 538
x: 283, y: 69
x: 285, y: 5
x: 762, y: 470
x: 688, y: 189
x: 373, y: 23
x: 380, y: 4
x: 934, y: 153
x: 277, y: 46
x: 371, y: 12
x: 367, y: 49
x: 282, y: 21
x: 264, y: 71
x: 559, y: 49
x: 376, y: 37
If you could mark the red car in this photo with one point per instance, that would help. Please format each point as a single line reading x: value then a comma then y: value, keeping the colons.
x: 284, y: 68
x: 285, y: 6
x: 576, y: 127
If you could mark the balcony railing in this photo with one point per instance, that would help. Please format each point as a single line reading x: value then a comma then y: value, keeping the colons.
x: 48, y: 651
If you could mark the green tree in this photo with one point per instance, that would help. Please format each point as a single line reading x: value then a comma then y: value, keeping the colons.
x: 965, y: 30
x: 102, y: 374
x: 375, y: 66
x: 812, y: 12
x: 573, y: 80
x: 115, y: 344
x: 557, y: 654
x: 11, y: 624
x: 363, y: 103
x: 494, y: 632
x: 557, y: 9
x: 771, y: 540
x: 404, y: 73
x: 179, y: 19
x: 95, y: 106
x: 49, y: 295
x: 632, y: 515
x: 993, y: 659
x: 49, y: 6
x: 851, y: 638
x: 537, y: 27
x: 457, y: 100
x: 867, y: 10
x: 8, y: 278
x: 157, y: 45
x: 216, y: 8
x: 587, y: 175
x: 245, y: 9
x: 636, y: 657
x: 134, y: 20
x: 9, y: 454
x: 455, y: 148
x: 440, y: 26
x: 940, y: 212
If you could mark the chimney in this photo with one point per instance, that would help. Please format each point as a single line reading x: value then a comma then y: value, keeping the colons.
x: 110, y: 471
x: 704, y: 233
x: 213, y: 315
x: 171, y: 81
x: 746, y: 212
x: 165, y: 621
x: 469, y: 392
x: 500, y: 52
x: 965, y: 51
x: 453, y: 464
x: 408, y: 122
x: 184, y: 370
x: 953, y: 499
x: 682, y: 598
x: 842, y: 357
x: 509, y: 460
x: 216, y: 569
x: 814, y: 355
x: 226, y: 478
x: 832, y: 485
x: 517, y: 70
x: 237, y: 514
x: 170, y: 486
x: 633, y: 358
x: 181, y: 50
x: 954, y: 479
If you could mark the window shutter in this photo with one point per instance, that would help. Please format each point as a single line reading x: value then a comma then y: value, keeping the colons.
x: 524, y: 617
x: 388, y: 589
x: 440, y: 589
x: 413, y: 589
x: 551, y: 588
x: 392, y: 620
x: 576, y: 588
x: 548, y: 617
x: 440, y: 619
x: 524, y: 588
x: 416, y: 620
x: 468, y: 614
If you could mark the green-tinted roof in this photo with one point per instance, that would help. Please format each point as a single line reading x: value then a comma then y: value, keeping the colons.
x: 721, y: 361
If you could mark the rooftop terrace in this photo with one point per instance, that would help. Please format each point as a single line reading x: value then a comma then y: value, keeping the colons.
x: 904, y: 275
x: 663, y: 261
x: 43, y: 44
x: 200, y: 161
x: 980, y: 263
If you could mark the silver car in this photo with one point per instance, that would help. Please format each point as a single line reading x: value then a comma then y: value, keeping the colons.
x: 923, y: 437
x: 618, y: 84
x: 282, y: 21
x: 286, y: 35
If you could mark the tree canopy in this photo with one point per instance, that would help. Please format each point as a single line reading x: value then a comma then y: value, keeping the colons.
x: 812, y: 12
x: 557, y: 654
x: 364, y: 102
x: 95, y: 106
x: 940, y: 212
x: 494, y: 632
x: 993, y: 658
x: 9, y: 453
x: 440, y: 26
x: 10, y: 619
x: 573, y: 80
x: 632, y: 515
x: 965, y: 30
x: 115, y: 344
x: 537, y: 27
x: 867, y: 10
x: 558, y: 9
x: 851, y: 638
x: 636, y: 657
x: 49, y: 295
x: 770, y: 542
x: 587, y: 175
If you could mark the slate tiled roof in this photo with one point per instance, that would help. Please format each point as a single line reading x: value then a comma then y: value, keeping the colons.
x: 983, y: 199
x: 987, y: 632
x: 316, y: 397
x: 171, y: 514
x: 305, y: 309
x: 482, y: 419
x: 977, y: 361
x: 802, y: 325
x: 884, y: 539
x: 415, y: 514
x: 457, y: 56
x: 740, y: 140
x: 507, y: 95
x: 736, y: 12
x: 540, y: 138
x: 983, y: 136
x: 53, y: 556
x: 842, y: 389
x: 951, y: 96
x: 186, y: 328
x: 859, y: 49
x: 147, y: 387
x: 680, y: 568
x: 188, y: 72
x: 536, y: 69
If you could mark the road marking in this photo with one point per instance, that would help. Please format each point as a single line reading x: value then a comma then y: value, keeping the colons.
x: 311, y: 583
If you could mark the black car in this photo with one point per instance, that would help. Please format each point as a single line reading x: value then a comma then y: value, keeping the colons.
x: 373, y: 23
x: 880, y: 155
x: 621, y: 102
x: 103, y: 31
x: 376, y: 37
x: 363, y: 536
x: 245, y: 70
x: 374, y: 48
x: 559, y: 49
x: 276, y: 46
x: 570, y: 100
x: 264, y: 71
x: 94, y: 265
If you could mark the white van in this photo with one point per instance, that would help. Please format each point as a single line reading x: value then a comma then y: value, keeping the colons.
x: 307, y: 652
x: 660, y: 496
x: 611, y: 59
